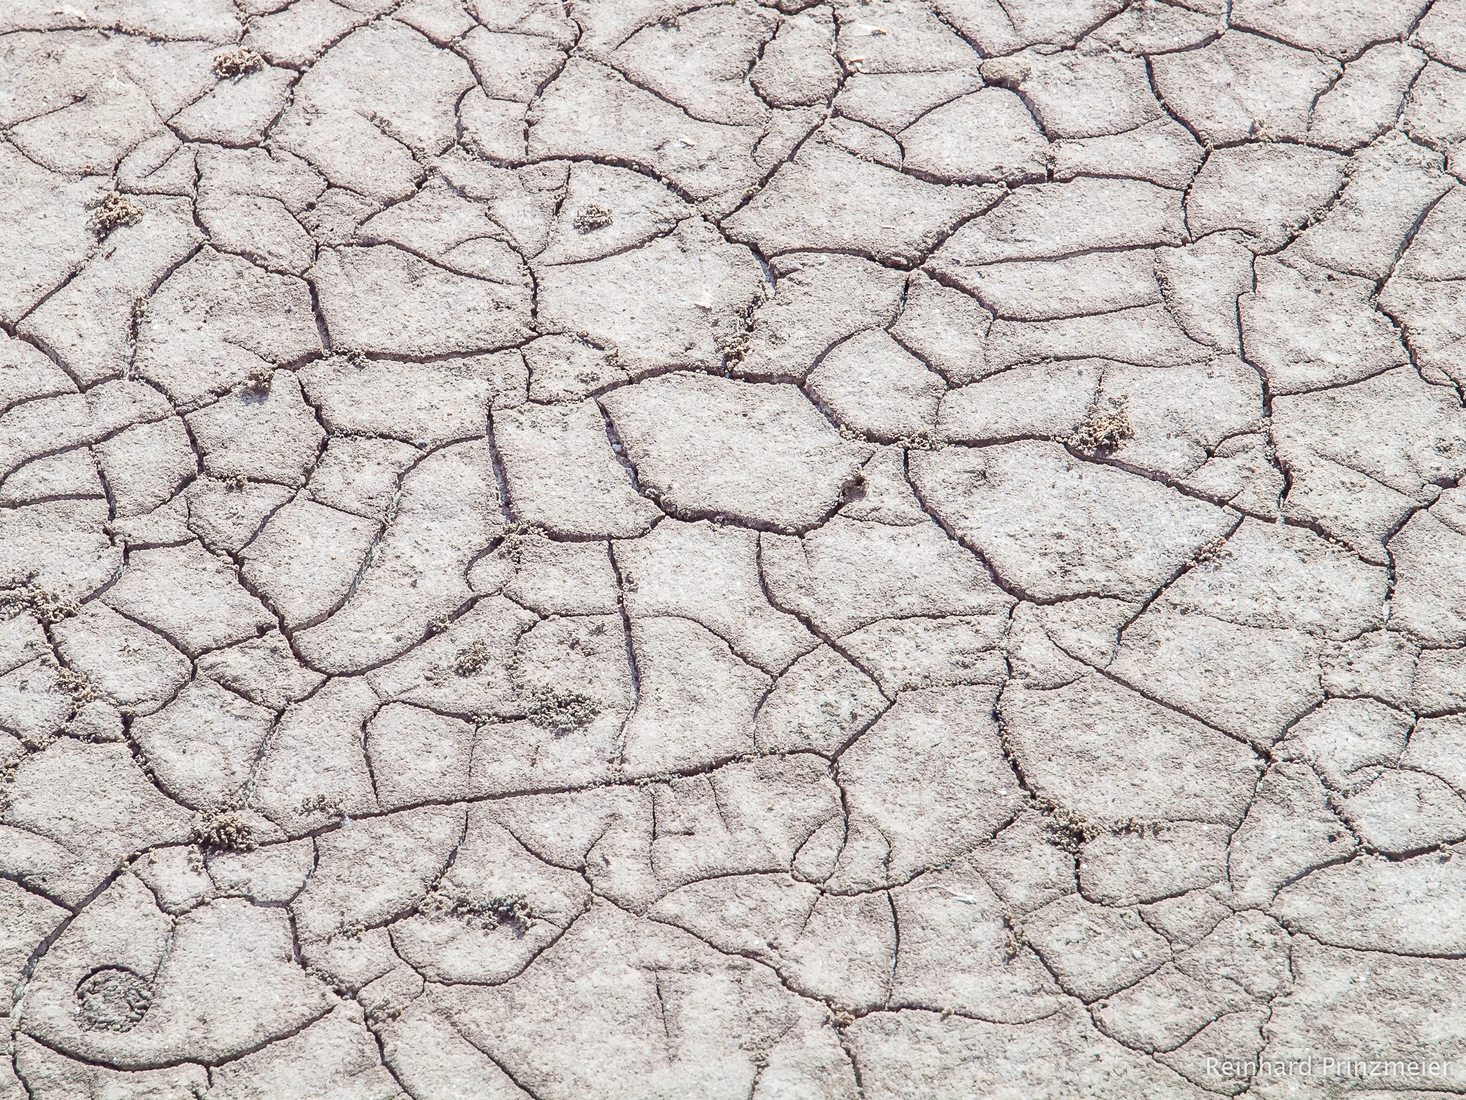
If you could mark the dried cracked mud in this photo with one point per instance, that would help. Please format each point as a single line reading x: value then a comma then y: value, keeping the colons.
x: 758, y: 549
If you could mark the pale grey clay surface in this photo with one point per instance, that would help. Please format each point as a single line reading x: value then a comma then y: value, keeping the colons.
x: 766, y: 549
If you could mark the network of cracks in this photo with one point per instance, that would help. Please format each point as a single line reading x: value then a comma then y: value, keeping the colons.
x: 761, y: 550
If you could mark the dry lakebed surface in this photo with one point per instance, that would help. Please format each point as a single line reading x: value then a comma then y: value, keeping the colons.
x: 732, y: 549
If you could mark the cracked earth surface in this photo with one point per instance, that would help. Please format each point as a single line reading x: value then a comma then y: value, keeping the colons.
x: 643, y: 548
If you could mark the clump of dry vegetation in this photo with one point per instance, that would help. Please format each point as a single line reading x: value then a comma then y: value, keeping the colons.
x: 510, y: 911
x: 226, y: 832
x: 261, y: 376
x: 734, y: 348
x: 1210, y: 552
x: 472, y: 659
x: 561, y: 712
x: 113, y: 210
x: 240, y: 61
x: 44, y: 604
x: 78, y: 685
x: 591, y: 218
x: 921, y: 441
x: 517, y: 538
x: 322, y: 804
x: 1014, y: 942
x: 1070, y: 831
x: 1104, y: 429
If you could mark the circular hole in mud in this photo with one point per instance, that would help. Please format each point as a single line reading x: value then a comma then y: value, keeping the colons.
x: 113, y: 998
